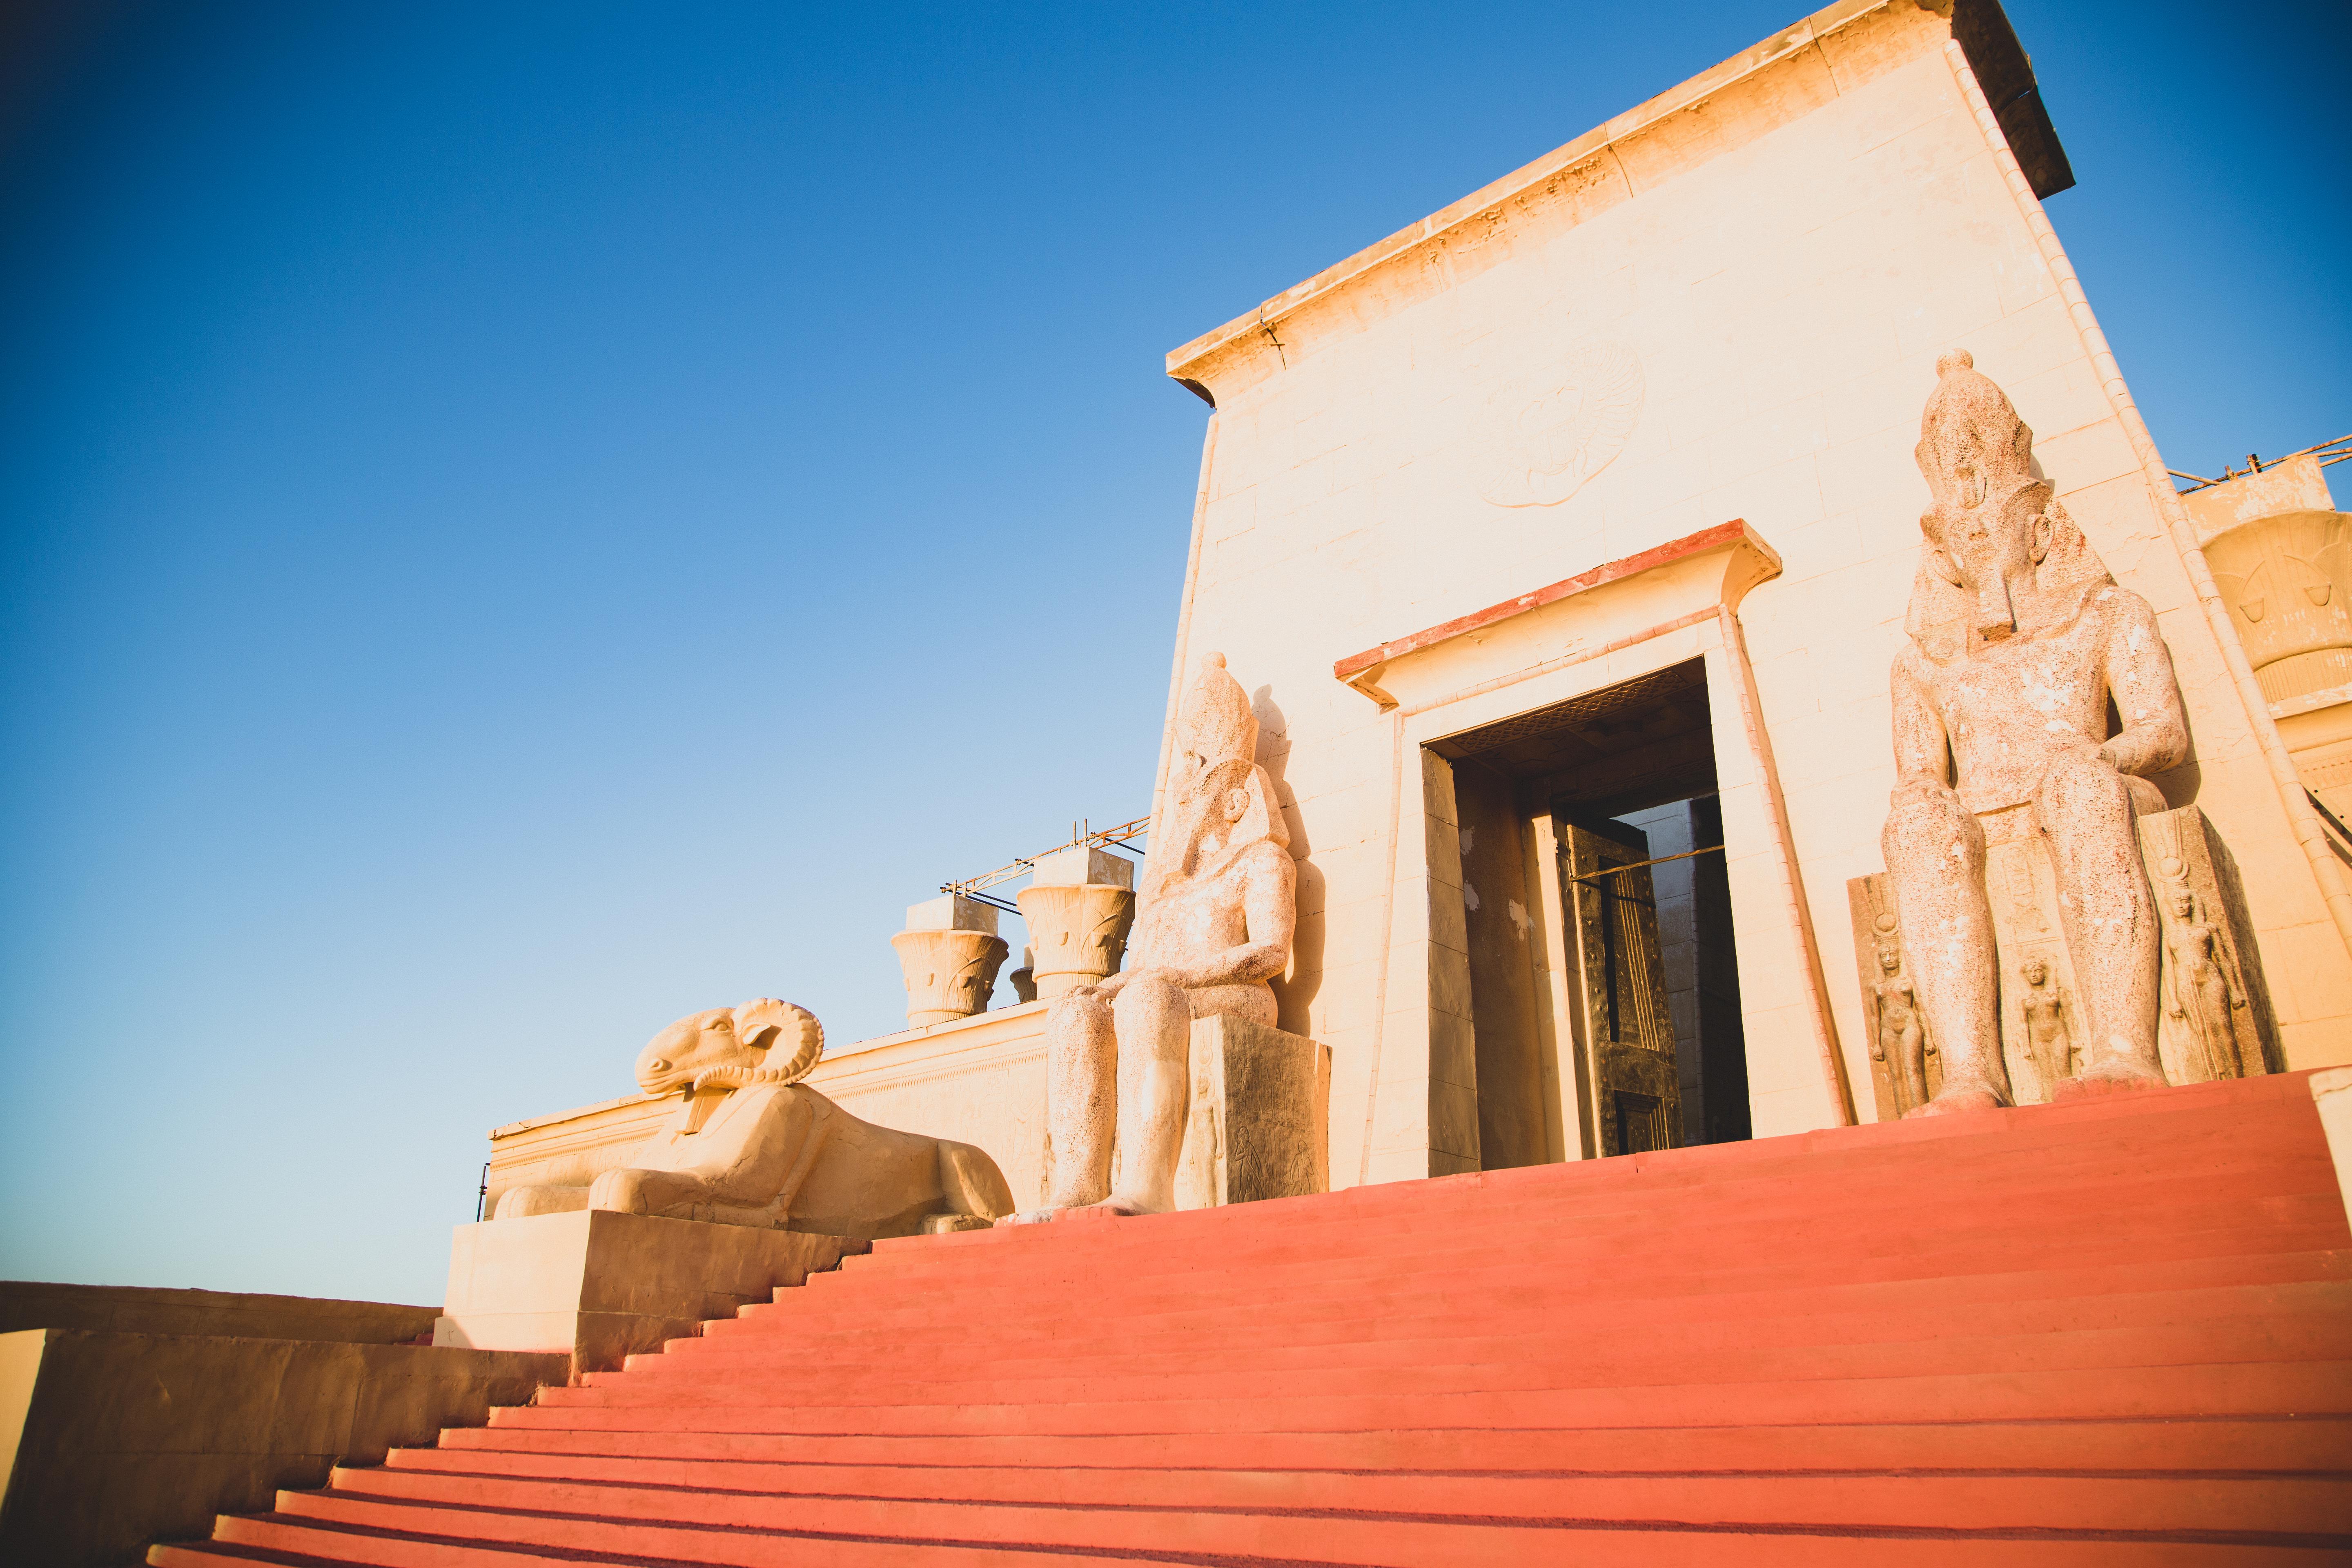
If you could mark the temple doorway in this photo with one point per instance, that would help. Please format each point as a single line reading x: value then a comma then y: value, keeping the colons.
x: 1604, y: 992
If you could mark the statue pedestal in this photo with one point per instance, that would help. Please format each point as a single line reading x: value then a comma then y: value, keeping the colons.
x: 2221, y: 1030
x: 599, y: 1286
x: 1258, y: 1126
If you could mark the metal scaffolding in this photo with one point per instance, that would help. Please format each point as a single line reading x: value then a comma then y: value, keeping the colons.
x: 2327, y: 452
x: 1083, y: 835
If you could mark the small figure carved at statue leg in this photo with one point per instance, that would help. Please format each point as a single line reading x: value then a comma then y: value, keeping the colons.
x: 2043, y: 1007
x: 2205, y: 994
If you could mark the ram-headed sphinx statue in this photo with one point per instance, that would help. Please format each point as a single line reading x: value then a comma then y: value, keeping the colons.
x: 751, y: 1145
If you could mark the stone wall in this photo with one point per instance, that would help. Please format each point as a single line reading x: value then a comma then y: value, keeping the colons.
x: 1726, y: 304
x: 129, y: 1416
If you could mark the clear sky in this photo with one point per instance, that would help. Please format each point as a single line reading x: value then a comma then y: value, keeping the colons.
x: 523, y: 521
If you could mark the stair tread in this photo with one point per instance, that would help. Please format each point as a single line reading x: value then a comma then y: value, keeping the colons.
x: 614, y: 1512
x: 2172, y: 1501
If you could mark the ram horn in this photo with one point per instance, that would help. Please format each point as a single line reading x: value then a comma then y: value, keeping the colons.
x: 790, y: 1035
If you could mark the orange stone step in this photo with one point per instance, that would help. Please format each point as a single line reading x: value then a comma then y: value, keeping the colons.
x: 1454, y: 1367
x: 2103, y: 1394
x: 2309, y: 1446
x: 2011, y: 1499
x: 732, y: 1528
x: 1697, y: 1324
x: 1443, y: 1300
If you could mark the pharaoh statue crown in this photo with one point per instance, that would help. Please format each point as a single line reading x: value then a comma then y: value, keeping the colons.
x: 1972, y: 446
x: 1216, y: 741
x: 1977, y: 456
x: 1216, y: 725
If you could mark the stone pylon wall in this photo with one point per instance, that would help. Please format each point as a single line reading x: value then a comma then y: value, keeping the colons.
x: 1733, y: 299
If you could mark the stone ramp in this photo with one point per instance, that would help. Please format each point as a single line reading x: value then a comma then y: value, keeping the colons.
x: 2111, y: 1332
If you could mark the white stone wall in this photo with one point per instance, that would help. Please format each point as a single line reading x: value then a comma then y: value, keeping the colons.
x: 1785, y: 256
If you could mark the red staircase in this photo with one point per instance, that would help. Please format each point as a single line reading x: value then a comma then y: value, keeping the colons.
x: 2116, y: 1333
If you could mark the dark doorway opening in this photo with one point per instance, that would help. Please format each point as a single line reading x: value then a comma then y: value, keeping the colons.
x: 1597, y: 912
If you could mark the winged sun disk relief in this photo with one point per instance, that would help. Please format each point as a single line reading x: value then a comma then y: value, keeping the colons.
x: 1545, y: 436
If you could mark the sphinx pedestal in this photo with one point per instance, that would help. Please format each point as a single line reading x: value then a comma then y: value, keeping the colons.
x: 1259, y: 1125
x: 600, y: 1286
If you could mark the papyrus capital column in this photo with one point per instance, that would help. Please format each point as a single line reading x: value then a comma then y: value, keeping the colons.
x: 2282, y: 557
x: 1079, y: 906
x: 950, y: 952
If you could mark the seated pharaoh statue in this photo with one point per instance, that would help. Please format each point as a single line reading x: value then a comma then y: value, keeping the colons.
x: 1212, y: 927
x: 2019, y: 641
x: 751, y: 1145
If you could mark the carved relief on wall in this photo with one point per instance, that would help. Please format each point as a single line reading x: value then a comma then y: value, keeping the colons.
x: 1543, y: 435
x: 2213, y: 1017
x: 1903, y: 1071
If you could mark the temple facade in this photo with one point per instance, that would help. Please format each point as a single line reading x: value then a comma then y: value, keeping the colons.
x: 1564, y: 543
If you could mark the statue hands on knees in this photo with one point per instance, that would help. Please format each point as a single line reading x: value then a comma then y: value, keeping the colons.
x: 2019, y: 640
x: 1213, y: 926
x: 751, y: 1145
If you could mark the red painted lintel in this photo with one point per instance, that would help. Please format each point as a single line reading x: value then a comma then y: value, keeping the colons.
x: 1699, y: 543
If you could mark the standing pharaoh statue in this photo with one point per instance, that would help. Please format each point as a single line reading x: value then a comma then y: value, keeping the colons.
x: 1212, y: 927
x: 2019, y: 640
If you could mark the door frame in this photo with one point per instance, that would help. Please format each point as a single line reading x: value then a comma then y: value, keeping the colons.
x: 1625, y: 619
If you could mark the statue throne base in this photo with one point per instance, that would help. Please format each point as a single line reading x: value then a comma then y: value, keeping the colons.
x: 1257, y: 1126
x: 2179, y: 853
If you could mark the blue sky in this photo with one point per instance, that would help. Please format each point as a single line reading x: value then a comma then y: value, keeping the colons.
x: 523, y: 521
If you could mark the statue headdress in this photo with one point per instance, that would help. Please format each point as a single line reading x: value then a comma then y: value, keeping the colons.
x: 1972, y: 446
x: 1215, y: 726
x: 1216, y: 752
x: 1977, y: 456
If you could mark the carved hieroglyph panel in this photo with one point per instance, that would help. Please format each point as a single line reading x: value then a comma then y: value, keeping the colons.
x: 1544, y: 433
x: 2041, y: 1034
x: 1258, y: 1126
